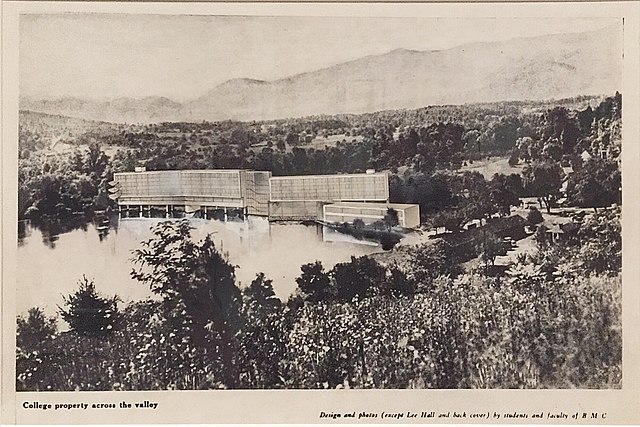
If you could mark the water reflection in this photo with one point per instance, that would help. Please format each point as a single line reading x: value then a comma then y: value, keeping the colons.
x: 52, y: 257
x: 51, y: 230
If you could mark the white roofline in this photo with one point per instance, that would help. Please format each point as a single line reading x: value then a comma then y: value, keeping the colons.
x: 188, y: 171
x: 340, y: 175
x: 337, y: 175
x: 374, y: 204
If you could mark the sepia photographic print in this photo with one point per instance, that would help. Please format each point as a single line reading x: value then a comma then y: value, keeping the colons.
x: 340, y: 198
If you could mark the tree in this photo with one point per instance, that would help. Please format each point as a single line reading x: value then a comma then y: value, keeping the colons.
x: 314, y: 283
x: 397, y: 283
x: 561, y: 127
x: 601, y: 244
x: 89, y: 313
x: 514, y: 158
x: 596, y: 184
x: 358, y: 223
x: 504, y: 132
x: 472, y: 140
x: 534, y: 216
x: 95, y: 162
x: 433, y: 193
x: 292, y: 139
x: 358, y: 227
x: 543, y: 180
x: 261, y: 341
x: 36, y: 356
x: 585, y: 120
x: 425, y: 262
x: 390, y: 218
x: 240, y: 135
x: 489, y: 247
x: 259, y: 297
x: 360, y: 277
x: 473, y: 196
x: 504, y: 191
x: 541, y: 238
x: 527, y: 148
x: 35, y: 330
x: 452, y: 219
x: 439, y: 144
x: 197, y: 285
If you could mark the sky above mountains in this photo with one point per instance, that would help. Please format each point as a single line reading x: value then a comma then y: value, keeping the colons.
x: 100, y: 56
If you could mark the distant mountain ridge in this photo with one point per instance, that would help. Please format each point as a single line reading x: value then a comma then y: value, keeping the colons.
x: 544, y: 67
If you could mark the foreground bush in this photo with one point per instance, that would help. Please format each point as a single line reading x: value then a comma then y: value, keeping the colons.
x: 470, y: 333
x: 525, y: 331
x: 552, y: 321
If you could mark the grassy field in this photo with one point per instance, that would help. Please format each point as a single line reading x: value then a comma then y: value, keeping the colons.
x: 320, y: 142
x: 491, y: 166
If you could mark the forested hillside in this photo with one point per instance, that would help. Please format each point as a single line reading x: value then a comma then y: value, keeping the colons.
x: 427, y: 151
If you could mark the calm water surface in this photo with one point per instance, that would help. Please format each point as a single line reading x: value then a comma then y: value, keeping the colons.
x: 50, y: 266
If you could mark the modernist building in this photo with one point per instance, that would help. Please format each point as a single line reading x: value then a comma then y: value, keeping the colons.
x: 243, y: 190
x: 303, y: 197
x: 336, y: 198
x: 408, y: 215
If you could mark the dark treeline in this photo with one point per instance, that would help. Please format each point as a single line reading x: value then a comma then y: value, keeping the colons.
x: 552, y: 320
x: 61, y: 187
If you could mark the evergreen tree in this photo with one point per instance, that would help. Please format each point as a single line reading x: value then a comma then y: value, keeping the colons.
x: 89, y: 313
x: 34, y: 330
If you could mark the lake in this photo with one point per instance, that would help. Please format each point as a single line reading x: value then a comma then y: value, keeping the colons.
x: 50, y: 263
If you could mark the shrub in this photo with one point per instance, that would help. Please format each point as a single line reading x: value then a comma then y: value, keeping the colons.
x: 361, y: 277
x: 534, y: 217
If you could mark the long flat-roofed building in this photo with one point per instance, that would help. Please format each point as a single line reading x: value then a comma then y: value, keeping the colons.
x: 408, y: 214
x: 195, y: 189
x: 247, y: 192
x: 302, y: 197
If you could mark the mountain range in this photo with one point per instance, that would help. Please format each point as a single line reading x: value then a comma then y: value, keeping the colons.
x: 538, y: 68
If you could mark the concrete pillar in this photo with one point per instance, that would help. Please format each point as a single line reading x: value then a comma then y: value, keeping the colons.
x: 226, y: 217
x: 166, y: 211
x: 204, y: 212
x: 119, y: 211
x: 140, y: 213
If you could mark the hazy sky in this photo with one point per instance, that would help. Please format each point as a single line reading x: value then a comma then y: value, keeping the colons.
x: 182, y: 57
